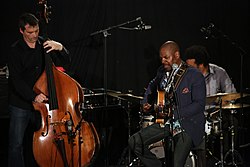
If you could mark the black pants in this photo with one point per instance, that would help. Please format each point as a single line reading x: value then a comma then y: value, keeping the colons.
x: 140, y: 141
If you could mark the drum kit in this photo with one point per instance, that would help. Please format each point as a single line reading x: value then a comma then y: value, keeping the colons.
x: 216, y: 105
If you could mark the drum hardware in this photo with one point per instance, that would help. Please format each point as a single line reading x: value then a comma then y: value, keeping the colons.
x: 212, y: 121
x: 221, y: 161
x: 232, y: 157
x: 234, y: 154
x: 129, y: 99
x: 4, y: 72
x: 244, y: 145
x: 129, y: 127
x: 208, y: 127
x: 223, y: 102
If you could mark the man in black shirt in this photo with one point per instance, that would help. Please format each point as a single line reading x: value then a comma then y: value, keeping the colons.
x: 26, y: 64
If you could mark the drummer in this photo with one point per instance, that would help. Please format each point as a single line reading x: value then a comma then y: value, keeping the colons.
x: 217, y: 79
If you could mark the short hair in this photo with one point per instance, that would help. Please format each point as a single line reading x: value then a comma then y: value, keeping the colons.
x: 27, y: 18
x: 199, y: 53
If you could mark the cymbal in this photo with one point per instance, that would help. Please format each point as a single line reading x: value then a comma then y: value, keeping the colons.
x: 128, y: 95
x: 233, y: 96
x: 225, y: 97
x: 210, y: 100
x: 125, y: 96
x: 234, y: 106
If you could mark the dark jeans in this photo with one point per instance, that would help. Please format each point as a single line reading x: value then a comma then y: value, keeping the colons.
x: 140, y: 141
x: 19, y: 121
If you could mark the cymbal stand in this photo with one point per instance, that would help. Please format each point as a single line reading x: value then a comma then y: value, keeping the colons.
x: 221, y: 162
x: 127, y: 159
x: 235, y: 156
x: 129, y: 129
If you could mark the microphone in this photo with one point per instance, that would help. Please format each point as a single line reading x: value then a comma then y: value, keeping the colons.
x: 207, y: 31
x: 70, y: 125
x: 171, y: 77
x: 174, y: 70
x: 174, y: 66
x: 142, y: 26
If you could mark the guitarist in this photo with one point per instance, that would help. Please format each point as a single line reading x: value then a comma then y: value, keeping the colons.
x: 187, y: 103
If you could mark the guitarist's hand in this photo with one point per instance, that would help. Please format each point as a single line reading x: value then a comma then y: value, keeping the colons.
x: 146, y: 107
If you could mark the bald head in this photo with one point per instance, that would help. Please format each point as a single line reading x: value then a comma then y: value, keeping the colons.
x: 171, y: 46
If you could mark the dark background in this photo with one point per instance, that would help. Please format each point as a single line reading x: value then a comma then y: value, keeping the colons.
x: 132, y: 56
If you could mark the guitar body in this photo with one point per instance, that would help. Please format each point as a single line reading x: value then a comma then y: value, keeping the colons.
x: 162, y: 110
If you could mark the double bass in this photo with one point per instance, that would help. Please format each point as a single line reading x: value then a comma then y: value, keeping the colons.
x: 64, y: 138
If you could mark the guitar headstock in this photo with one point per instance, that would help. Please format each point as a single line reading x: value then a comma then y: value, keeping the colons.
x: 45, y: 11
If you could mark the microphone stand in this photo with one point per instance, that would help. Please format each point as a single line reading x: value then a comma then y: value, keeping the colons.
x: 105, y: 71
x: 178, y: 113
x: 174, y: 106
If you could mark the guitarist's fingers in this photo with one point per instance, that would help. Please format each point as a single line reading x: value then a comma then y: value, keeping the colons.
x: 146, y: 107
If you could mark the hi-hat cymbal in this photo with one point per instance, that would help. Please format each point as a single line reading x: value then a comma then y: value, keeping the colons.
x: 131, y: 98
x: 125, y: 96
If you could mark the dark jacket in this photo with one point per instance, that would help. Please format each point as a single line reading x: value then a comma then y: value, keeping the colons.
x: 190, y: 99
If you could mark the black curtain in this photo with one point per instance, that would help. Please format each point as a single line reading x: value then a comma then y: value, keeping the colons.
x: 132, y: 55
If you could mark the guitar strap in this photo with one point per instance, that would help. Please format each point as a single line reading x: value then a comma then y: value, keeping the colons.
x: 179, y: 75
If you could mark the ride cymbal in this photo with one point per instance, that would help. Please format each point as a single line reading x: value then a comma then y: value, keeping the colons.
x: 235, y: 106
x: 225, y: 97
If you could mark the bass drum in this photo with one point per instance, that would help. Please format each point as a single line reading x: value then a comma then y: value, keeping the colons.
x: 158, y: 147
